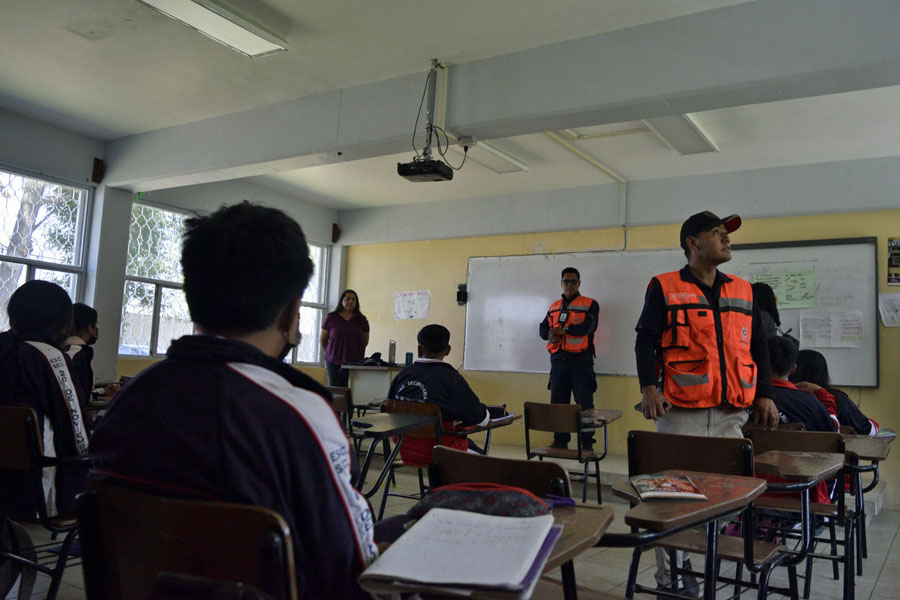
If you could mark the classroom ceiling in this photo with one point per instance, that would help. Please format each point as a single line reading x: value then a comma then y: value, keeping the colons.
x: 114, y: 68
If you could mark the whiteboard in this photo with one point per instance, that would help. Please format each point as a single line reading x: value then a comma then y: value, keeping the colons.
x: 508, y: 297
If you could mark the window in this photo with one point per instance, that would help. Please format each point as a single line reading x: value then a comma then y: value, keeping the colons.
x: 154, y: 310
x: 42, y: 235
x: 313, y: 309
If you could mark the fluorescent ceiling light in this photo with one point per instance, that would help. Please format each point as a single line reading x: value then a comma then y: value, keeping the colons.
x: 680, y: 133
x: 222, y: 24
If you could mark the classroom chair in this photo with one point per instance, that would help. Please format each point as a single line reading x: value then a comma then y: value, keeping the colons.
x: 21, y: 449
x: 807, y: 441
x: 432, y: 431
x: 139, y: 545
x: 561, y: 418
x: 342, y: 403
x: 650, y: 452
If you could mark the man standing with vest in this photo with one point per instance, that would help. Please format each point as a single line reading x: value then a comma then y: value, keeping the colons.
x: 701, y: 335
x: 569, y: 330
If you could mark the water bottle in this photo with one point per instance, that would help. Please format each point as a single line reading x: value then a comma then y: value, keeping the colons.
x: 392, y: 352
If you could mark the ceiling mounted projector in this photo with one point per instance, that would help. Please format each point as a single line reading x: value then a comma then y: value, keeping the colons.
x: 425, y: 169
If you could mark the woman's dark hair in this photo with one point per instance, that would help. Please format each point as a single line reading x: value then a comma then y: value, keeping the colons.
x: 82, y: 316
x: 40, y: 308
x: 243, y: 264
x: 340, y: 304
x: 764, y: 298
x: 812, y: 367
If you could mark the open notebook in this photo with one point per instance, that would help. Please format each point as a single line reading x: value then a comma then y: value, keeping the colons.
x: 458, y: 551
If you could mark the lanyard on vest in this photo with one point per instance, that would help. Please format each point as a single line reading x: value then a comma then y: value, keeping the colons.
x: 64, y: 379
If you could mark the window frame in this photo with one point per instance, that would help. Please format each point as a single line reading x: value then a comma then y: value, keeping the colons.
x: 82, y: 233
x: 158, y: 286
x: 323, y: 307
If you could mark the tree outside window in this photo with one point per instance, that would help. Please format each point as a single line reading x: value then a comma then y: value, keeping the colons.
x: 42, y: 225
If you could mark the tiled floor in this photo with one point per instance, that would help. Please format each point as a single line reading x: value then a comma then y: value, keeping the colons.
x: 605, y: 569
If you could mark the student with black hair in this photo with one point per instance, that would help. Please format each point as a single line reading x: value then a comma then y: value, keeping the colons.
x: 812, y: 375
x: 224, y: 417
x: 34, y: 372
x: 430, y: 379
x: 764, y: 299
x: 80, y: 351
x: 796, y: 405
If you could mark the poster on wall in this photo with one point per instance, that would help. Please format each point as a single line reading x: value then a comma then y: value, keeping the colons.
x: 411, y: 305
x: 889, y: 307
x: 893, y: 271
x: 839, y: 329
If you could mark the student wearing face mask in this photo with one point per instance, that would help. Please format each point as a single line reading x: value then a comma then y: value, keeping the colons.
x: 80, y: 351
x: 224, y: 417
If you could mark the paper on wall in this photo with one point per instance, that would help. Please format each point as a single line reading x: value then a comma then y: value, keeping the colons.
x: 411, y: 305
x: 889, y: 307
x: 793, y: 289
x: 841, y: 329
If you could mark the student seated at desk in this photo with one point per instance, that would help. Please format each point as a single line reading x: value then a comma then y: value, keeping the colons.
x: 430, y: 379
x: 812, y: 375
x: 224, y: 418
x: 794, y: 404
x: 34, y: 372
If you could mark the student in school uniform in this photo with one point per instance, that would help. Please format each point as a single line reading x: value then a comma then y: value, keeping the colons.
x: 34, y: 372
x: 430, y: 379
x: 812, y: 375
x: 81, y: 352
x: 223, y: 417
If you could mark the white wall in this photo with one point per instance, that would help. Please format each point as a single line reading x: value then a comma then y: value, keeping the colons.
x: 870, y: 184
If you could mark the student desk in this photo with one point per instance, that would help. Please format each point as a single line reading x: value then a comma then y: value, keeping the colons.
x: 660, y: 518
x: 599, y: 418
x: 804, y: 470
x: 503, y: 421
x: 583, y: 527
x: 369, y: 382
x: 381, y: 427
x: 873, y: 449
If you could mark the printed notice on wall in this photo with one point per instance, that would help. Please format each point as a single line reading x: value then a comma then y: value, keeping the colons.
x: 889, y: 307
x: 411, y: 305
x: 793, y: 289
x: 831, y: 329
x: 893, y: 270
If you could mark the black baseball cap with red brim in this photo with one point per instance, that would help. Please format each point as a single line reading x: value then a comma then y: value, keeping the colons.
x: 704, y: 221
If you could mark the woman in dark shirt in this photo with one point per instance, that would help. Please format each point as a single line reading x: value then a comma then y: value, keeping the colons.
x: 813, y: 368
x: 344, y: 337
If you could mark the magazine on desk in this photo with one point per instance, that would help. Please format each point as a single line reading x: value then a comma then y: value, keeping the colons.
x: 666, y: 487
x: 455, y: 552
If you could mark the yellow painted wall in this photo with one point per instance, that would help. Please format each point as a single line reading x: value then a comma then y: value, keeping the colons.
x: 132, y: 365
x: 377, y: 271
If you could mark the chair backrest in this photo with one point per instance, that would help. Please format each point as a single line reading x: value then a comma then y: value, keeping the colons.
x: 20, y: 439
x: 430, y: 431
x: 129, y: 538
x: 651, y: 452
x: 451, y: 466
x: 342, y: 403
x: 795, y: 441
x: 558, y: 418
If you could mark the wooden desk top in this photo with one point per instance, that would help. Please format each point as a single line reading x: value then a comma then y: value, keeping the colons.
x: 602, y: 416
x: 381, y: 425
x: 725, y: 493
x: 583, y: 526
x: 492, y: 424
x: 373, y: 367
x: 799, y: 466
x: 867, y: 448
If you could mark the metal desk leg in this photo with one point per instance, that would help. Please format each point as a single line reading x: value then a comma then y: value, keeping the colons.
x: 709, y: 568
x: 570, y: 591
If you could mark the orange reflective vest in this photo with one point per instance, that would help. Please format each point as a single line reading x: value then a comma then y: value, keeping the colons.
x: 576, y: 313
x: 706, y: 357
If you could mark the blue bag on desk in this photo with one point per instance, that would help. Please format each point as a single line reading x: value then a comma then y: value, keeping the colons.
x: 482, y: 497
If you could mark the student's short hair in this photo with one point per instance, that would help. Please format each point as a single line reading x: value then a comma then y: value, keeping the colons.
x: 242, y: 265
x: 764, y: 298
x: 434, y: 338
x: 40, y: 308
x: 782, y: 354
x: 570, y: 270
x: 82, y: 316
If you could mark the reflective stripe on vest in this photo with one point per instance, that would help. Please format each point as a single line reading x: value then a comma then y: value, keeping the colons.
x: 577, y: 309
x: 706, y: 352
